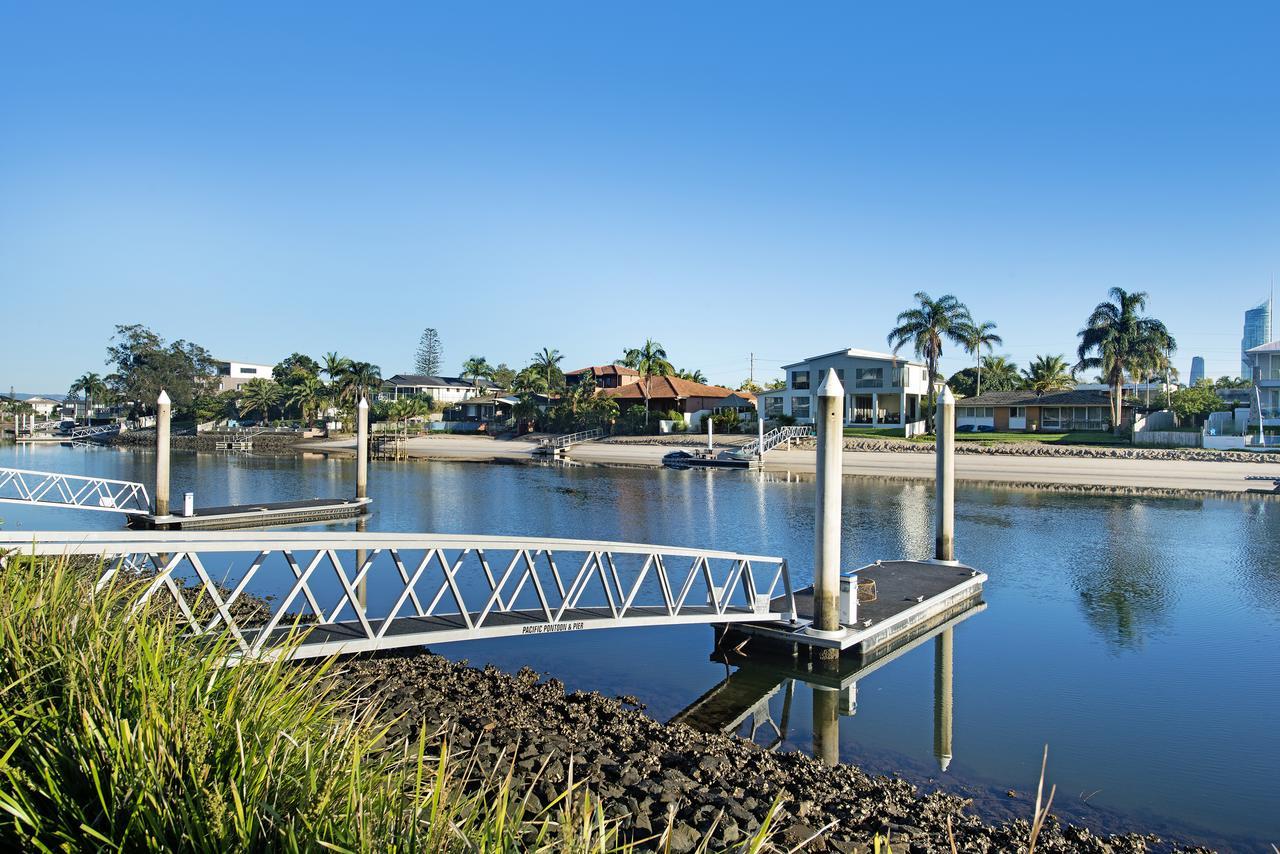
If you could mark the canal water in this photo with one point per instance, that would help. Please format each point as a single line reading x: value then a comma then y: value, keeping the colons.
x: 1139, y: 638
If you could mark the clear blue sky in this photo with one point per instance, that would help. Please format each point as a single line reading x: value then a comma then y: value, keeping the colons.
x: 724, y: 178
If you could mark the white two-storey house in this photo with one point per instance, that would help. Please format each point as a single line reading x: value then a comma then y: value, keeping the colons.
x: 881, y: 389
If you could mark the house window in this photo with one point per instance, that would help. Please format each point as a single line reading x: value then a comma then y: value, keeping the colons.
x: 1017, y: 412
x: 800, y: 407
x: 248, y: 370
x: 869, y: 378
x: 799, y: 380
x: 772, y: 407
x: 899, y: 376
x: 975, y: 412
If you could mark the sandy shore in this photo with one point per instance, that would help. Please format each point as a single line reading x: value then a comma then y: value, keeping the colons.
x: 1161, y: 476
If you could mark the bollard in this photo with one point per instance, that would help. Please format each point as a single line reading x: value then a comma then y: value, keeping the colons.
x: 189, y: 504
x: 826, y: 564
x: 942, y: 648
x: 709, y: 440
x: 760, y: 438
x: 164, y: 413
x: 945, y: 489
x: 362, y: 448
x: 849, y: 599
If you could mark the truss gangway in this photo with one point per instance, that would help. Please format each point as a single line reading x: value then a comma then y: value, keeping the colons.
x: 320, y: 594
x: 773, y: 439
x: 95, y: 431
x: 560, y: 443
x: 71, y: 491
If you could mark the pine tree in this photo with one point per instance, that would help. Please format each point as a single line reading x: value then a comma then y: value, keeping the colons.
x: 429, y: 353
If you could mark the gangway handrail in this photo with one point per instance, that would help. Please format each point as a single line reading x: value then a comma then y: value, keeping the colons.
x: 71, y: 491
x: 772, y: 439
x: 422, y: 588
x: 568, y: 439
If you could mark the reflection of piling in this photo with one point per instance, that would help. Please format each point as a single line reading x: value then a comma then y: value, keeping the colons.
x: 826, y: 565
x: 942, y: 650
x: 164, y: 414
x: 362, y: 589
x: 945, y: 516
x: 362, y: 448
x: 826, y: 725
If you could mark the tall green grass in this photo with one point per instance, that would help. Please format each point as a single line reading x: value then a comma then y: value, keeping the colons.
x: 119, y: 733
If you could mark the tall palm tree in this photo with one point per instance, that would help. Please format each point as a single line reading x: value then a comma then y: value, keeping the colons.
x: 92, y: 387
x: 1048, y: 373
x: 977, y: 337
x: 651, y: 361
x: 335, y: 366
x: 693, y: 376
x: 305, y: 392
x: 358, y: 380
x: 259, y: 395
x: 1118, y: 340
x: 477, y: 368
x: 925, y: 327
x: 1002, y: 374
x: 548, y: 361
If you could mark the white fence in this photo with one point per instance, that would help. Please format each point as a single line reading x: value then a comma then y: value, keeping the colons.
x: 1175, y: 438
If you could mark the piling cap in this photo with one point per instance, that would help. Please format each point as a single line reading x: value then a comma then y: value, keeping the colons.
x: 364, y: 403
x: 831, y: 385
x: 163, y: 399
x: 946, y: 397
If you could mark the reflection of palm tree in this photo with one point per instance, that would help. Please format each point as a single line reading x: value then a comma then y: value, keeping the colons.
x: 1118, y: 340
x: 977, y: 337
x: 925, y: 327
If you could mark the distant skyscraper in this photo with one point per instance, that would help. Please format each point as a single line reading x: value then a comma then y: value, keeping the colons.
x: 1197, y: 369
x: 1257, y: 331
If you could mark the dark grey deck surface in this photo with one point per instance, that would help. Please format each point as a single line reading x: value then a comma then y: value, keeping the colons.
x: 257, y: 515
x: 268, y: 507
x: 898, y: 584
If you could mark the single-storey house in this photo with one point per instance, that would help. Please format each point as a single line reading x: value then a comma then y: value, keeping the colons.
x: 1027, y: 411
x: 440, y: 389
x: 692, y: 399
x: 880, y: 388
x: 489, y: 408
x: 605, y: 376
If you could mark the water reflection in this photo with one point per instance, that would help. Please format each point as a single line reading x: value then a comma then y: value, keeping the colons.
x: 1124, y: 585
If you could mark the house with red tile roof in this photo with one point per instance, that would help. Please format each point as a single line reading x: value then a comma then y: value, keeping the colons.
x: 605, y: 376
x: 694, y: 400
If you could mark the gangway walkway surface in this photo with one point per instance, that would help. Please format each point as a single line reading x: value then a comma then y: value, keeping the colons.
x: 77, y: 492
x: 355, y: 592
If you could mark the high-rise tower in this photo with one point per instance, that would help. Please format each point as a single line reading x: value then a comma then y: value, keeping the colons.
x: 1257, y: 331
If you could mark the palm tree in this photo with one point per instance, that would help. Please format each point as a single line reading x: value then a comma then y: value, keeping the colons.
x: 92, y: 387
x: 1002, y: 374
x: 259, y: 395
x: 1118, y: 340
x: 978, y: 336
x: 305, y: 392
x: 335, y: 365
x: 1048, y: 373
x: 358, y: 380
x: 548, y: 361
x: 925, y: 327
x: 693, y: 376
x: 477, y: 368
x: 651, y: 361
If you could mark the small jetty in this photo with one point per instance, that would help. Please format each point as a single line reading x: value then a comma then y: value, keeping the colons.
x: 255, y: 515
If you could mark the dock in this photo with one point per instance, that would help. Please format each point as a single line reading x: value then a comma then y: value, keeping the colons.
x: 909, y: 595
x: 255, y: 515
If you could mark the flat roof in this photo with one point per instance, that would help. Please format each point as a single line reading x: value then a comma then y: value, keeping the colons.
x: 857, y: 353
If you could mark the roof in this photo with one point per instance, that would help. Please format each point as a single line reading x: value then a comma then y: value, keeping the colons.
x: 1269, y: 347
x: 1074, y: 397
x: 435, y: 382
x: 665, y: 387
x: 855, y: 353
x: 605, y: 371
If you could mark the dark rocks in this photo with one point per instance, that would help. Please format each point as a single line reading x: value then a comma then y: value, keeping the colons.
x: 700, y: 789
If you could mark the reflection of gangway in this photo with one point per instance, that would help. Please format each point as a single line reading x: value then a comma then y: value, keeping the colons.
x: 50, y: 489
x: 424, y: 588
x: 746, y: 694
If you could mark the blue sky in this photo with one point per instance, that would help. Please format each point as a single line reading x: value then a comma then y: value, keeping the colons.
x: 724, y: 178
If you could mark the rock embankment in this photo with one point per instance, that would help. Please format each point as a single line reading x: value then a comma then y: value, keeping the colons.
x: 265, y: 443
x: 1042, y: 449
x: 717, y: 789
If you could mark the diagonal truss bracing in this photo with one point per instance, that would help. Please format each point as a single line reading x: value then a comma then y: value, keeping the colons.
x: 352, y: 592
x: 51, y: 489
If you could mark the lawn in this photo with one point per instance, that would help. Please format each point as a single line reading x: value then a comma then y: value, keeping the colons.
x: 874, y: 432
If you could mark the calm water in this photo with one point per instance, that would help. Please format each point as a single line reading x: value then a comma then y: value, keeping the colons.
x: 1140, y: 638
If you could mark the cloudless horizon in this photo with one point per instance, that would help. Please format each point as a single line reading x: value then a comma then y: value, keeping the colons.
x: 725, y: 178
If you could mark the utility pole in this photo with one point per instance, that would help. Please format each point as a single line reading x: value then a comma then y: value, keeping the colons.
x: 751, y: 379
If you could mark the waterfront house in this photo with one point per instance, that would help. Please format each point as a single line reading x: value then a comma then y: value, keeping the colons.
x: 881, y: 389
x: 691, y: 399
x: 232, y: 375
x: 43, y: 407
x: 1264, y: 361
x: 440, y: 389
x: 605, y: 376
x: 1027, y: 411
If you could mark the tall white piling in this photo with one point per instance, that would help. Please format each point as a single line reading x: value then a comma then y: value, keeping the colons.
x: 826, y: 564
x: 164, y: 414
x: 760, y: 438
x: 945, y: 490
x: 362, y: 448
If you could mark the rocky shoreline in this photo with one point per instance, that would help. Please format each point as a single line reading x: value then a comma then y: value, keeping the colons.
x: 716, y: 789
x: 1041, y: 449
